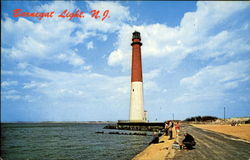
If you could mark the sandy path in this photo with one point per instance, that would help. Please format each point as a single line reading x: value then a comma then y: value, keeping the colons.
x: 158, y: 151
x: 242, y: 131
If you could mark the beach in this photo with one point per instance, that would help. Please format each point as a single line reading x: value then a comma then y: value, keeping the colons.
x: 242, y: 131
x: 158, y: 151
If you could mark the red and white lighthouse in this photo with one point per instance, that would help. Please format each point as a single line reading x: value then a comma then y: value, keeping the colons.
x: 136, y: 93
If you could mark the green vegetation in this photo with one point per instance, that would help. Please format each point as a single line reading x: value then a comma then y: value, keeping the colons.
x: 201, y: 118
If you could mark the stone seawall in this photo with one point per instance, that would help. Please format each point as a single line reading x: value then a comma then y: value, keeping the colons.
x: 137, y: 126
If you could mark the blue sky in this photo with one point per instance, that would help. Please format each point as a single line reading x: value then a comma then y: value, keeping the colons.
x: 195, y: 60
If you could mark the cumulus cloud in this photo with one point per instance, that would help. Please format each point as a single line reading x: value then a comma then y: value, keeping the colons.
x: 54, y: 39
x: 71, y: 58
x: 39, y: 40
x: 118, y: 15
x: 170, y: 45
x: 57, y: 6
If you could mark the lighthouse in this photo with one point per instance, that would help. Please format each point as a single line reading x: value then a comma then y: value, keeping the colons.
x: 136, y: 112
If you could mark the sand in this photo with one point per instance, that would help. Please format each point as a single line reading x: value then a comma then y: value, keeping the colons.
x: 242, y: 131
x: 159, y: 151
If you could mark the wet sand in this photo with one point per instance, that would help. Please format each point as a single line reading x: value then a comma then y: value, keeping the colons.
x: 242, y: 131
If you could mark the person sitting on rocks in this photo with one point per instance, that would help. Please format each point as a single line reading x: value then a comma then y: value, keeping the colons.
x: 188, y: 141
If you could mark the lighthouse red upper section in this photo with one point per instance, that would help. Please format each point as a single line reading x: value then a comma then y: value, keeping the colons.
x: 136, y: 73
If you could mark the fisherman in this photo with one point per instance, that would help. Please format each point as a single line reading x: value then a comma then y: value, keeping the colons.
x: 155, y: 138
x: 188, y: 141
x: 170, y: 129
x: 166, y: 128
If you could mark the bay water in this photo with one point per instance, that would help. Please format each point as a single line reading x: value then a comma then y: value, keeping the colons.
x: 67, y: 141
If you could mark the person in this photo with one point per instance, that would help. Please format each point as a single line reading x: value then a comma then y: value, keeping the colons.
x: 188, y: 141
x: 177, y: 128
x: 169, y: 129
x: 166, y: 128
x: 155, y: 138
x: 177, y: 131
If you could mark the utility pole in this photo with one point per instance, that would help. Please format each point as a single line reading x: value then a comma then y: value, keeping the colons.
x: 224, y: 113
x: 173, y: 116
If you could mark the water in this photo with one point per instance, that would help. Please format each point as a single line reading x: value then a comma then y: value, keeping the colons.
x: 67, y: 142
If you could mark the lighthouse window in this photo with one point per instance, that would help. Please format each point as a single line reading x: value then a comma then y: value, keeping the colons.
x: 133, y: 90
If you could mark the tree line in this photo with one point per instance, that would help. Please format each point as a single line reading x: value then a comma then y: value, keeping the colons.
x: 201, y: 118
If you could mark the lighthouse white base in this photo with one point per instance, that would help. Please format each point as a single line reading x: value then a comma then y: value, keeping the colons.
x: 136, y: 102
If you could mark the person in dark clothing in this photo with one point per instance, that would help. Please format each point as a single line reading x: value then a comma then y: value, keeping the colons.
x: 188, y: 141
x: 155, y: 138
x: 166, y: 128
x: 170, y: 129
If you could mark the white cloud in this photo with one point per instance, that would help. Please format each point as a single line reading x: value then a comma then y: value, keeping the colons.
x: 118, y: 13
x: 44, y: 40
x: 41, y: 40
x: 84, y: 86
x: 9, y: 83
x: 49, y: 38
x: 90, y: 45
x: 15, y: 95
x: 34, y: 84
x: 57, y: 6
x: 12, y: 97
x: 87, y: 68
x: 22, y: 65
x: 11, y: 94
x: 218, y: 76
x: 71, y: 58
x: 150, y: 86
x: 170, y: 45
x: 212, y: 82
x: 103, y: 37
x: 5, y: 72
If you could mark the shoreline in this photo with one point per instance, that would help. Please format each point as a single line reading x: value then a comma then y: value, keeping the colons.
x: 159, y: 151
